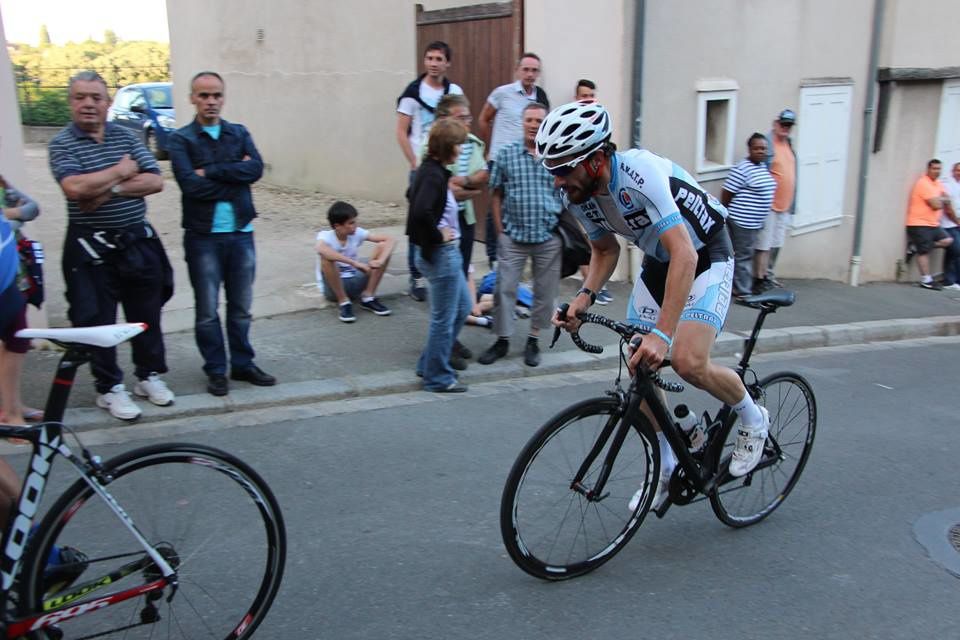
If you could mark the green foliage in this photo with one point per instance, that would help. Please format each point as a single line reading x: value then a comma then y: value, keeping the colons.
x: 42, y: 73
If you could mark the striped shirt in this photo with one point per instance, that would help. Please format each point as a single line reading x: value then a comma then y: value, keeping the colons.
x: 753, y: 188
x: 531, y: 203
x: 73, y: 152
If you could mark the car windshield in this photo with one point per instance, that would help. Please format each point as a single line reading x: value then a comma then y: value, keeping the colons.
x: 160, y: 97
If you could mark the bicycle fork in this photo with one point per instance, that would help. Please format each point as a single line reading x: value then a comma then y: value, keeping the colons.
x: 618, y: 427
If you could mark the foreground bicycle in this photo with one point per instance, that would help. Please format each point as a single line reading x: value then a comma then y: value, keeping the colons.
x: 564, y: 509
x: 165, y: 541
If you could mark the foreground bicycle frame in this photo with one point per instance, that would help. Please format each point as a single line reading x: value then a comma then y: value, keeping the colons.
x: 541, y: 505
x: 24, y: 550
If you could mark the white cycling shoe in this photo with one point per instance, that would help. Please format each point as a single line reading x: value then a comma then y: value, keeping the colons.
x: 663, y: 490
x: 749, y: 449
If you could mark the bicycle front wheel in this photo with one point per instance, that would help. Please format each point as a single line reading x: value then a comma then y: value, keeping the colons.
x: 209, y: 515
x: 555, y: 531
x: 740, y: 502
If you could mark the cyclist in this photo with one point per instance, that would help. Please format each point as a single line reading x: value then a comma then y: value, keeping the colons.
x: 683, y: 292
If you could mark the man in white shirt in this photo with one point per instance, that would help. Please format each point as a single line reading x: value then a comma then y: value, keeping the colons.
x: 948, y: 222
x: 416, y: 108
x: 501, y: 120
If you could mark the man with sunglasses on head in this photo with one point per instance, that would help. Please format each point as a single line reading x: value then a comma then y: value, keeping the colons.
x: 683, y: 292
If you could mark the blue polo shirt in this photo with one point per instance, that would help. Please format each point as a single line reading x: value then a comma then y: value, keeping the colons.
x: 74, y: 152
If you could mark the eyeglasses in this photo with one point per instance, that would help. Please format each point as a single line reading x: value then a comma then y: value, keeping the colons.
x: 565, y: 169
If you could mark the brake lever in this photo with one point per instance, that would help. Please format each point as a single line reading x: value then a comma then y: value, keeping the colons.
x: 561, y: 315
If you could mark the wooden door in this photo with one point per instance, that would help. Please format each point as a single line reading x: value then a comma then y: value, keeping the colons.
x: 485, y: 42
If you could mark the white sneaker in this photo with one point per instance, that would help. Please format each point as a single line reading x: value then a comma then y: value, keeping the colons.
x: 749, y: 447
x: 663, y: 490
x: 118, y: 403
x: 155, y: 390
x: 952, y: 287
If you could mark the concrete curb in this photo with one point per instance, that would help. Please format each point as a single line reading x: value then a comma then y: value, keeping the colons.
x: 399, y: 381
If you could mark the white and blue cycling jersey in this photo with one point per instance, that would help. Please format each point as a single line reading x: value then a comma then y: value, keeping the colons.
x: 648, y: 195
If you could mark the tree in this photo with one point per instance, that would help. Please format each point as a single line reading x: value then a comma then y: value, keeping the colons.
x: 110, y: 38
x: 44, y: 36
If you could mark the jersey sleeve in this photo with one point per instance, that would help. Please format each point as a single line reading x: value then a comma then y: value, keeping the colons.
x: 664, y: 212
x: 361, y: 235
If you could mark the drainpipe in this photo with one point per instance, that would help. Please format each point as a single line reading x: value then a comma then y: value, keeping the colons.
x: 636, y: 112
x: 855, y: 258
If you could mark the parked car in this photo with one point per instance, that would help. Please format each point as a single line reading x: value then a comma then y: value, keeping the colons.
x: 146, y: 109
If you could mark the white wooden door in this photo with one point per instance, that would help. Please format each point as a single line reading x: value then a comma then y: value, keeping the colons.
x: 948, y: 130
x: 823, y: 138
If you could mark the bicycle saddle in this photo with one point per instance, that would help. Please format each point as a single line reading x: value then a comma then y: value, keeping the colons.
x: 777, y: 298
x: 107, y: 335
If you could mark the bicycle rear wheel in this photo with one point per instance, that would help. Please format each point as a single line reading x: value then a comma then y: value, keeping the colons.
x: 740, y: 502
x: 554, y: 532
x: 208, y: 514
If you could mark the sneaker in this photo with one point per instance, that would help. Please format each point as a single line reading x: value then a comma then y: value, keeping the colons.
x: 460, y: 349
x: 375, y: 306
x: 495, y: 352
x: 346, y: 313
x: 531, y: 353
x: 117, y: 401
x: 453, y: 387
x: 933, y: 286
x: 155, y: 390
x: 749, y: 447
x: 458, y: 363
x: 952, y: 287
x: 604, y: 297
x: 418, y: 289
x: 774, y: 282
x: 663, y: 491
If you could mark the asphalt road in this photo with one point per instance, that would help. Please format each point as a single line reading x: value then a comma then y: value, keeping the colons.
x: 392, y: 516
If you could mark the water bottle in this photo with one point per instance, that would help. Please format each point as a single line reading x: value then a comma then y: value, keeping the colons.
x: 691, y: 426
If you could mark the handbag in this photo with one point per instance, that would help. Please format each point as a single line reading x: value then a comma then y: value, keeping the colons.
x: 576, y: 247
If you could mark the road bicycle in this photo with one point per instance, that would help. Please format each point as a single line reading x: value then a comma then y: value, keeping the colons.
x: 565, y: 506
x: 165, y: 541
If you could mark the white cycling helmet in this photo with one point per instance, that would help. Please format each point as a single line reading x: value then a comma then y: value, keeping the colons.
x: 574, y: 129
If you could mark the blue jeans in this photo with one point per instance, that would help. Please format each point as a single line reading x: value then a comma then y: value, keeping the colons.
x: 449, y: 307
x: 229, y: 259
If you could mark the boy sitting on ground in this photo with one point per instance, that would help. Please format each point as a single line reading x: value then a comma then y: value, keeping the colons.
x: 343, y: 276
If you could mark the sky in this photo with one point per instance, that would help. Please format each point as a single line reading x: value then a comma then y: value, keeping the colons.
x: 77, y: 20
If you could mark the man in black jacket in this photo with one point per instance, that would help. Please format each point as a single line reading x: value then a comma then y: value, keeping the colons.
x: 416, y: 111
x: 215, y: 162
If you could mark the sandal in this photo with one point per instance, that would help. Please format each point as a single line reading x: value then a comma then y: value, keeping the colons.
x: 32, y: 415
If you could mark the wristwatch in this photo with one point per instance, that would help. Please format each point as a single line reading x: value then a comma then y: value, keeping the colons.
x: 593, y: 296
x: 115, y: 190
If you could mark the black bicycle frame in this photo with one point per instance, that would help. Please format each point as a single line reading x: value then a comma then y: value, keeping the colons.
x: 701, y: 475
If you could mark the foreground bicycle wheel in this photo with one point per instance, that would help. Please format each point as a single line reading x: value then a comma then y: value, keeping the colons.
x: 207, y: 513
x: 793, y: 423
x: 554, y: 532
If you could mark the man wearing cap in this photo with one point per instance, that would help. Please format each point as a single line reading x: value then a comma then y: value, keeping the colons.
x: 782, y: 162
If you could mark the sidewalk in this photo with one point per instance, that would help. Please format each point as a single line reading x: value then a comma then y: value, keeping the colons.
x: 318, y: 358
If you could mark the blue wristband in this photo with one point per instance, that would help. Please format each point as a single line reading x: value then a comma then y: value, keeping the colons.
x: 662, y: 336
